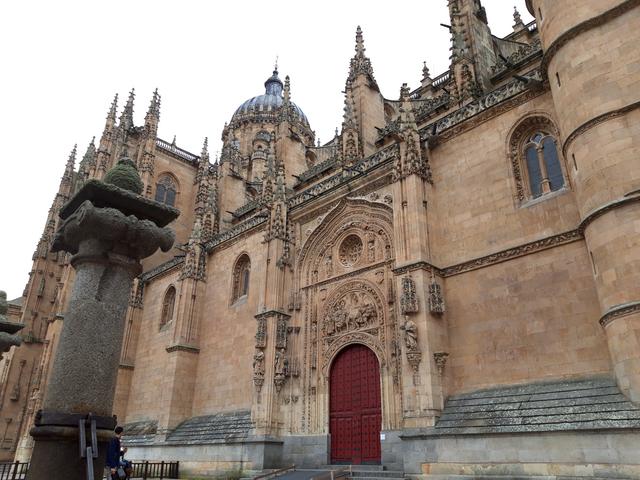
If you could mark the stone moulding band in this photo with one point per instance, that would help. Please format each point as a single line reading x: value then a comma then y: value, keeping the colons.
x: 585, y: 26
x: 494, y: 258
x: 607, y: 207
x: 619, y: 311
x: 589, y: 124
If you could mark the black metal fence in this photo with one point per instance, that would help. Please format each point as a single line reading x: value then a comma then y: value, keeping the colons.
x: 144, y: 470
x: 159, y: 470
x: 13, y: 471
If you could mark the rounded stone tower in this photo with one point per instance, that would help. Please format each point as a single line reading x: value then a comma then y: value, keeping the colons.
x: 592, y: 60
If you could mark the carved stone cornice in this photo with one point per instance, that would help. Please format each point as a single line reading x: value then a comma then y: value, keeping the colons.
x: 589, y: 124
x: 235, y: 232
x: 272, y: 313
x: 420, y: 265
x: 492, y: 104
x: 618, y: 311
x: 182, y: 348
x: 357, y: 170
x: 510, y: 253
x: 162, y: 269
x: 589, y: 24
x: 354, y: 273
x: 631, y: 197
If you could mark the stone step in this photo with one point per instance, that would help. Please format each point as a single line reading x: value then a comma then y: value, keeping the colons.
x: 357, y: 473
x: 508, y: 477
x: 354, y: 468
x: 396, y: 476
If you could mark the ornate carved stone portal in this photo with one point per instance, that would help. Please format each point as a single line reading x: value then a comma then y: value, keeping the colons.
x: 345, y: 265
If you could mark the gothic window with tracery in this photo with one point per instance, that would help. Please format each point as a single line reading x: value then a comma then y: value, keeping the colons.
x: 166, y: 190
x: 241, y: 274
x: 534, y: 155
x: 167, y: 306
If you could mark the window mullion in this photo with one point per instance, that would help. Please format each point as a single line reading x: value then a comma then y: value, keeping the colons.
x: 545, y: 184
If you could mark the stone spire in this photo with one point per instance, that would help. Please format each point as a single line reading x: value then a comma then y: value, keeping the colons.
x: 88, y: 160
x: 412, y: 160
x: 472, y: 51
x: 103, y: 159
x: 64, y: 193
x: 147, y: 154
x: 67, y: 177
x: 126, y: 117
x: 206, y: 205
x: 287, y: 90
x: 360, y: 63
x: 111, y: 116
x: 152, y: 118
x: 351, y: 150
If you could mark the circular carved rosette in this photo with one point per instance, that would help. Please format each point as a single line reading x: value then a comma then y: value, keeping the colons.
x: 350, y: 250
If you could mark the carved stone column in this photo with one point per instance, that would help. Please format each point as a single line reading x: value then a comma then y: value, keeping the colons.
x: 108, y: 230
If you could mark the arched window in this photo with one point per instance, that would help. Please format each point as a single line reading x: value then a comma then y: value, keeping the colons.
x: 167, y: 306
x: 534, y: 156
x: 241, y: 273
x: 166, y: 190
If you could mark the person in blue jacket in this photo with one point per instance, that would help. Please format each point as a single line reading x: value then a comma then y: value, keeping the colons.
x: 114, y: 452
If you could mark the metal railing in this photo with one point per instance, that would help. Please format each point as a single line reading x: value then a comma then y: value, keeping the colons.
x: 159, y: 470
x: 275, y: 473
x: 333, y: 474
x: 13, y: 471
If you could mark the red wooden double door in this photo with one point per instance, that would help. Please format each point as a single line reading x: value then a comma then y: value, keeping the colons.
x: 355, y: 414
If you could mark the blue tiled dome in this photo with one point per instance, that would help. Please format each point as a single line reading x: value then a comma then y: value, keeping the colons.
x: 269, y: 102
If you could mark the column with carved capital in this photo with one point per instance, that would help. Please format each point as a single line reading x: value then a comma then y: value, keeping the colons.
x: 109, y: 228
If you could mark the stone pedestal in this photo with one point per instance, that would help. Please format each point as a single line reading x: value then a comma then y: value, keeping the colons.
x: 8, y: 330
x: 108, y: 230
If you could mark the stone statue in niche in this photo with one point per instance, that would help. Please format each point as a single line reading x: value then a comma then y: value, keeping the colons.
x: 281, y: 363
x: 258, y: 368
x: 371, y: 247
x: 410, y: 335
x: 328, y: 265
x: 280, y: 369
x: 414, y: 355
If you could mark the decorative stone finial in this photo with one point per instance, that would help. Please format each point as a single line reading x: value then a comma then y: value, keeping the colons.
x: 125, y: 175
x: 287, y: 89
x: 425, y: 70
x: 404, y: 92
x: 359, y: 42
x: 517, y: 20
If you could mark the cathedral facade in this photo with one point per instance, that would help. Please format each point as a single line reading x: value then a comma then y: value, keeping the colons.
x: 450, y: 286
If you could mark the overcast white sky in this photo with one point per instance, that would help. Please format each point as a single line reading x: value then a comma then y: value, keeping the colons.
x: 63, y: 61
